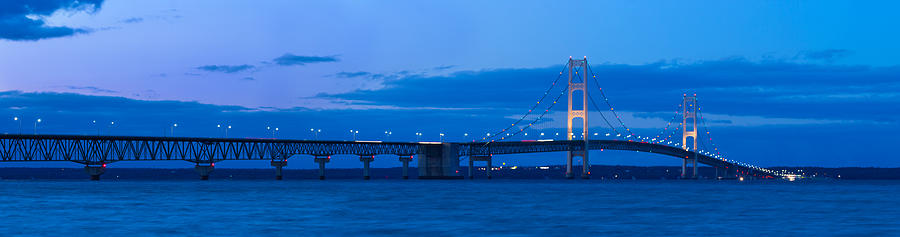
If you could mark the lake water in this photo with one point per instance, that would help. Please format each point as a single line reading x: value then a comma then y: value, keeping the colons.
x: 448, y: 208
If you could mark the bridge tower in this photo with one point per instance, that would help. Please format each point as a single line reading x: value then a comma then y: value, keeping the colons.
x: 689, y: 129
x: 578, y: 84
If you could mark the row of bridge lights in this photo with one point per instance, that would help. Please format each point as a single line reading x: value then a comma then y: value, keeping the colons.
x: 113, y: 124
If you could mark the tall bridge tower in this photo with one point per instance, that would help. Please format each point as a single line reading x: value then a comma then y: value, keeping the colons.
x: 577, y: 83
x: 689, y: 129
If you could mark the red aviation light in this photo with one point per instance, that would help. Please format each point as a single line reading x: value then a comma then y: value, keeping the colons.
x: 104, y: 165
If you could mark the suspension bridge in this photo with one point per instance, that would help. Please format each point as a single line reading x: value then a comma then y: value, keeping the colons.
x: 435, y: 160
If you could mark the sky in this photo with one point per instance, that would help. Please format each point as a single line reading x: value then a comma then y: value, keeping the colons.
x: 781, y: 83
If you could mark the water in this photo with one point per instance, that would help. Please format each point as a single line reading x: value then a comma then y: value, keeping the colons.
x: 448, y: 208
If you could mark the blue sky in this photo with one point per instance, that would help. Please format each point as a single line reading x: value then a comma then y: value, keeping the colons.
x: 781, y: 82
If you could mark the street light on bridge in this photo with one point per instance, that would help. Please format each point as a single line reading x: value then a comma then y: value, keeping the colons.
x: 35, y: 125
x: 20, y: 123
x: 172, y: 129
x: 315, y: 132
x: 94, y: 123
x: 353, y: 133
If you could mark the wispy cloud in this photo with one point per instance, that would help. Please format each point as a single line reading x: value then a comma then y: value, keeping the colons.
x: 828, y: 55
x: 226, y: 68
x: 90, y: 89
x: 133, y: 20
x: 291, y: 59
x: 352, y: 74
x: 443, y: 67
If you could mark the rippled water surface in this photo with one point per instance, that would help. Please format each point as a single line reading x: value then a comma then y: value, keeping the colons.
x: 448, y: 208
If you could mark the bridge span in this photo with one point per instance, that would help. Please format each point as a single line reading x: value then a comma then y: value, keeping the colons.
x: 435, y: 159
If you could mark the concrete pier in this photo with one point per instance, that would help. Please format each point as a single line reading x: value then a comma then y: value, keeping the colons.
x: 471, y: 167
x: 279, y: 164
x: 694, y: 164
x: 95, y: 171
x: 366, y: 160
x: 321, y: 160
x: 488, y: 167
x: 406, y: 160
x: 569, y: 174
x: 204, y: 169
x: 585, y: 166
x: 439, y: 161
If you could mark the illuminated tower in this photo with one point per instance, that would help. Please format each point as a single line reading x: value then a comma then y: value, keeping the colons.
x: 689, y: 121
x: 578, y: 84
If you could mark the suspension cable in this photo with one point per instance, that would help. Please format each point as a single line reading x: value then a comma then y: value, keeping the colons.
x: 544, y: 96
x: 606, y: 99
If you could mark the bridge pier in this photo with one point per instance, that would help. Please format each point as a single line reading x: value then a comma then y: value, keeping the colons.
x: 685, y: 168
x: 439, y: 161
x: 569, y: 174
x: 406, y: 160
x: 279, y: 164
x: 488, y: 167
x: 204, y: 169
x: 585, y: 167
x: 366, y: 160
x: 321, y: 160
x: 95, y: 170
x: 471, y: 167
x: 694, y: 161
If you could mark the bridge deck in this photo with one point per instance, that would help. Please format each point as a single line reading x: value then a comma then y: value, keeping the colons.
x: 106, y: 149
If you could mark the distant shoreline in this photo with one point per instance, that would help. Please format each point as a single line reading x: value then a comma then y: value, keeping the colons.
x: 545, y: 172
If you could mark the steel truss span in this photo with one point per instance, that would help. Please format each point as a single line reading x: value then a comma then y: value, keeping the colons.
x: 106, y: 149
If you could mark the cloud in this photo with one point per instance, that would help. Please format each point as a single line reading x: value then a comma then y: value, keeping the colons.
x: 248, y: 79
x: 133, y: 20
x: 732, y: 86
x: 290, y: 59
x: 24, y: 20
x: 91, y: 89
x: 352, y: 74
x: 828, y: 55
x: 443, y: 67
x: 226, y: 68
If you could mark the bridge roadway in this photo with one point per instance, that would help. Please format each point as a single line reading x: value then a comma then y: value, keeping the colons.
x: 436, y: 159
